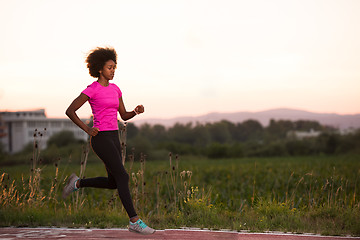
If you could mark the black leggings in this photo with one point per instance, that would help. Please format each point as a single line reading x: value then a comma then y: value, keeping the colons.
x: 106, y: 145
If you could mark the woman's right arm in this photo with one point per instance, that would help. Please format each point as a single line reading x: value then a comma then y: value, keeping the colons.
x: 71, y: 113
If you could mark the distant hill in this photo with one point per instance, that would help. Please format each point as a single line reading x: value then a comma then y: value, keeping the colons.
x: 264, y: 117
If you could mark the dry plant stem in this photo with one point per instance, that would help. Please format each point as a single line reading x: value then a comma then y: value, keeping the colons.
x: 309, y: 192
x: 167, y: 184
x: 254, y: 183
x: 35, y: 195
x: 287, y: 187
x: 292, y: 198
x: 157, y: 193
x: 142, y: 171
x: 54, y: 185
x: 131, y: 159
x: 122, y: 138
x: 84, y: 157
x: 135, y: 189
x: 173, y: 179
x: 354, y: 197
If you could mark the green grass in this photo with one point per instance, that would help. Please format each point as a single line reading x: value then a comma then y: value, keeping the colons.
x: 290, y: 194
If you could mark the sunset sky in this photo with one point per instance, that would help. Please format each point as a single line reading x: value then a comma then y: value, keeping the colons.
x: 184, y: 58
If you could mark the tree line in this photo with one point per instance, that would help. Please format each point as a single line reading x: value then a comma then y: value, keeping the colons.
x: 246, y: 139
x: 221, y: 139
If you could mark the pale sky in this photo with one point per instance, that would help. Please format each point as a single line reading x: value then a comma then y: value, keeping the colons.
x: 184, y: 58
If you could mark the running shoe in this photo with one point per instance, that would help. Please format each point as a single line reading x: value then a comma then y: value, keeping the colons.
x: 70, y: 185
x: 140, y: 227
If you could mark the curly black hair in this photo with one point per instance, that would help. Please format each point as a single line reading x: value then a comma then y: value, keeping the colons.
x: 97, y: 58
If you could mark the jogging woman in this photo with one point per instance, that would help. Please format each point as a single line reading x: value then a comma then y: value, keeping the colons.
x: 105, y: 99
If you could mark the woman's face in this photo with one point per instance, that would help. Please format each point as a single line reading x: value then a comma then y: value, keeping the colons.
x: 108, y: 70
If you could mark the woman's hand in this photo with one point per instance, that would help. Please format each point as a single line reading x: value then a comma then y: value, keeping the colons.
x: 93, y: 131
x: 139, y: 109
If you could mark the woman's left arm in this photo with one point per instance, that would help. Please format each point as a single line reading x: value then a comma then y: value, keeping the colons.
x: 128, y: 115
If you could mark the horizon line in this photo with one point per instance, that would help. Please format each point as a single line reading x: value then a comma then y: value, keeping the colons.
x: 190, y: 116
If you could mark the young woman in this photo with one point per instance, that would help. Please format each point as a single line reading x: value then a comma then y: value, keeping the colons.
x: 105, y: 99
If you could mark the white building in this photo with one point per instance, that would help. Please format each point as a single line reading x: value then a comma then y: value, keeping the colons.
x: 303, y: 134
x: 18, y: 128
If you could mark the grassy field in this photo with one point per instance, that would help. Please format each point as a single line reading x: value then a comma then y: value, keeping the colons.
x: 291, y: 194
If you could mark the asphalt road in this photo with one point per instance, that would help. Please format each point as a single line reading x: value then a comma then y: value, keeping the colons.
x: 187, y: 234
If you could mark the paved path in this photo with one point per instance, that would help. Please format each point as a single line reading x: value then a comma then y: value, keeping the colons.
x: 96, y: 234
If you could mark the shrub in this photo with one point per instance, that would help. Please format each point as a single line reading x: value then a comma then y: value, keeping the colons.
x: 62, y: 139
